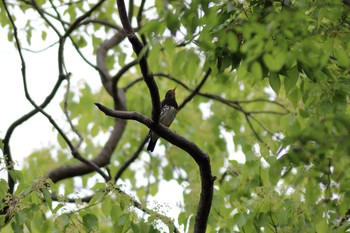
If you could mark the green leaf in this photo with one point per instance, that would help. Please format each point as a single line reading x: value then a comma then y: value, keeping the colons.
x: 294, y: 97
x: 3, y: 188
x: 173, y: 22
x: 275, y: 61
x: 62, y: 221
x: 106, y: 206
x: 16, y: 175
x: 240, y: 219
x: 135, y: 228
x: 90, y: 222
x: 275, y: 82
x: 17, y: 227
x: 242, y: 71
x: 256, y: 70
x: 57, y: 208
x: 62, y: 143
x: 81, y: 42
x: 155, y: 26
x: 47, y: 197
x: 322, y: 226
x: 1, y: 145
x: 43, y: 35
x: 291, y: 79
x: 342, y: 56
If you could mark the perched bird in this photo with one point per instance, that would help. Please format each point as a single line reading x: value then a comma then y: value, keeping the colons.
x: 168, y: 110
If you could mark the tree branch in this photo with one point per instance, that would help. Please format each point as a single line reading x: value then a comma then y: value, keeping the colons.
x: 101, y: 59
x: 103, y: 158
x: 133, y: 202
x: 138, y: 48
x: 127, y: 163
x: 200, y: 157
x: 196, y: 90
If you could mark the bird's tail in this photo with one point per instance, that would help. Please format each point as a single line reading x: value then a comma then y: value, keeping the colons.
x: 152, y: 141
x: 151, y: 145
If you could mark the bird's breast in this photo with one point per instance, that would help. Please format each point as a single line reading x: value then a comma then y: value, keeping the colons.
x: 167, y: 115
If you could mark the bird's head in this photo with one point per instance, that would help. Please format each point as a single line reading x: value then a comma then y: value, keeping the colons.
x: 170, y: 93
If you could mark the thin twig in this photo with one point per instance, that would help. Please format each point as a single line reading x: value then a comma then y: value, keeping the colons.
x: 125, y: 68
x: 127, y: 163
x: 75, y: 153
x: 196, y: 90
x: 132, y: 200
x: 66, y: 113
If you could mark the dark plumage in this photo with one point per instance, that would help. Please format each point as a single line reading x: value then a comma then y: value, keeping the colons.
x: 168, y: 110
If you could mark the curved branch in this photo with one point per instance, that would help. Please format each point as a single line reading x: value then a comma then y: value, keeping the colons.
x: 122, y: 71
x: 101, y: 59
x: 103, y: 158
x: 139, y: 149
x: 200, y: 157
x: 138, y: 48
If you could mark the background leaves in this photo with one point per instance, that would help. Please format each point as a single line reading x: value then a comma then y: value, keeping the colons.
x: 277, y: 99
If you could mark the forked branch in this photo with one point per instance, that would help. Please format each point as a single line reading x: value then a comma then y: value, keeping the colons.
x: 201, y: 158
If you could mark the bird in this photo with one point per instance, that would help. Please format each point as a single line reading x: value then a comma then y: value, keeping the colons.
x: 168, y: 110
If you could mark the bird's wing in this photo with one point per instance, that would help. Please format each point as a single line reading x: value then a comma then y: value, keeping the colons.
x: 167, y: 115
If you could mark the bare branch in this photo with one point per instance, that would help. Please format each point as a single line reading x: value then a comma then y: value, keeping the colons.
x: 196, y: 90
x: 125, y: 68
x: 138, y: 47
x: 66, y: 113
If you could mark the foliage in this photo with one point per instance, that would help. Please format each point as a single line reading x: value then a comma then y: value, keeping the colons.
x: 279, y: 85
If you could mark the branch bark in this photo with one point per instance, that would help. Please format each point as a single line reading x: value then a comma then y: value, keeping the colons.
x: 138, y: 48
x: 200, y: 157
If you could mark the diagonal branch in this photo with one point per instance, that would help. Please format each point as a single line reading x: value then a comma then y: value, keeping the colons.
x: 200, y: 157
x: 196, y: 90
x: 139, y: 48
x: 130, y: 160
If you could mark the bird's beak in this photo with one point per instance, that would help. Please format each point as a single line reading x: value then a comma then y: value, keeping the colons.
x: 173, y: 90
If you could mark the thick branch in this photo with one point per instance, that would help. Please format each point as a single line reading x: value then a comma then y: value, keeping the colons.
x: 103, y: 158
x: 201, y: 158
x: 101, y: 60
x: 138, y: 48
